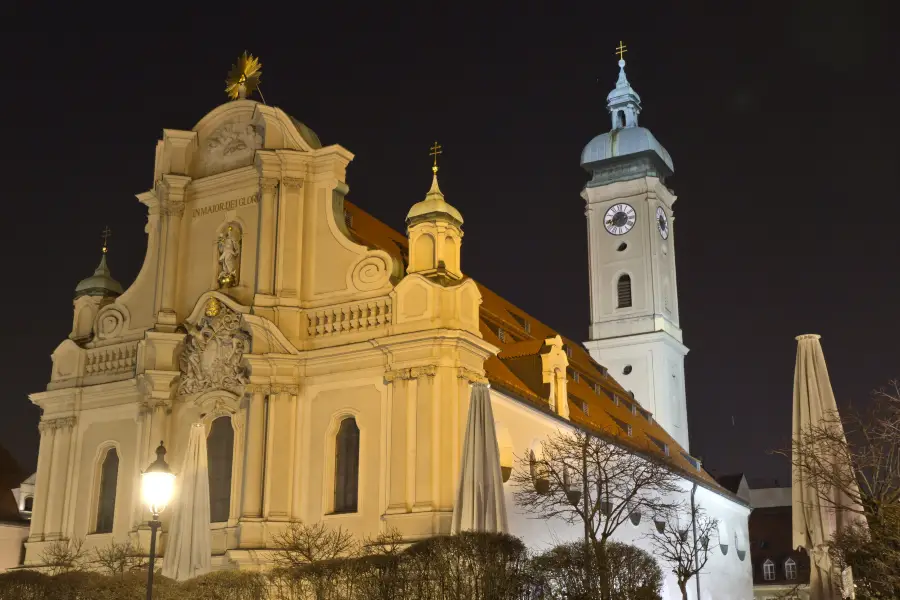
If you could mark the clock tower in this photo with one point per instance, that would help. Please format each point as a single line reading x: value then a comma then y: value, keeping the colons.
x: 634, y: 329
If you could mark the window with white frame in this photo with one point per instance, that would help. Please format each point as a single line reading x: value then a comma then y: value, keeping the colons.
x: 768, y: 570
x: 790, y: 569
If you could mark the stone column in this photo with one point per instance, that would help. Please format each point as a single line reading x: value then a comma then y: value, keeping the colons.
x: 279, y: 471
x: 42, y: 488
x: 59, y: 473
x: 267, y: 232
x: 397, y: 439
x: 173, y: 209
x: 158, y: 419
x: 290, y: 238
x: 427, y: 438
x: 254, y: 449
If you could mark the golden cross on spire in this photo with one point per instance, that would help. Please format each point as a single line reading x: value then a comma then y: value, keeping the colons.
x: 107, y: 233
x: 621, y: 50
x: 435, y: 150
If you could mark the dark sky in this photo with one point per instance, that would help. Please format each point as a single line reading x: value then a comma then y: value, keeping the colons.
x: 781, y: 119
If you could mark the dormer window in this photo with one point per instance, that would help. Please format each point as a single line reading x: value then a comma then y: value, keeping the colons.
x: 790, y: 569
x: 768, y: 570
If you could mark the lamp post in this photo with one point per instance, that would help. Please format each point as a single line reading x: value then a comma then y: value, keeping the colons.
x: 157, y: 485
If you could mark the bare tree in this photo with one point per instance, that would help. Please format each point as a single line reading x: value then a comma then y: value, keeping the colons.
x: 581, y: 478
x: 301, y: 545
x: 682, y: 538
x: 311, y: 562
x: 859, y: 456
x: 116, y: 560
x: 64, y: 556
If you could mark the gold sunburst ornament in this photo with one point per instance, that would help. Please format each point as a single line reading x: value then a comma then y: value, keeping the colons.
x: 243, y: 79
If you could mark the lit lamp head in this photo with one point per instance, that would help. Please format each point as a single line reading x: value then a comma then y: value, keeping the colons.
x: 158, y: 483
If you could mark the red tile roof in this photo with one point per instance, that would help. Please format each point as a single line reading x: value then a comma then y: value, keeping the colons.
x: 608, y: 404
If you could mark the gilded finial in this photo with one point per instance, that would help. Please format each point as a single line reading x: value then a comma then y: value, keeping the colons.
x: 621, y: 50
x: 243, y: 79
x: 107, y: 233
x: 435, y: 150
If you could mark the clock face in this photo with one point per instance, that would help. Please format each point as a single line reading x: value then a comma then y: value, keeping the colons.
x: 662, y: 223
x: 619, y: 219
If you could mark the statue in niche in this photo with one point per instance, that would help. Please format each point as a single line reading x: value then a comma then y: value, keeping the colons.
x: 213, y: 351
x: 229, y: 247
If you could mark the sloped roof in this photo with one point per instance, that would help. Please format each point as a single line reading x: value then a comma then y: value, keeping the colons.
x: 611, y: 411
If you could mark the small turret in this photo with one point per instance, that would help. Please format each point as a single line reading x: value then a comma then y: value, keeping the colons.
x: 434, y: 228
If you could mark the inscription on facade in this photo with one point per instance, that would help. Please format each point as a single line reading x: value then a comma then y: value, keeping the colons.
x: 227, y: 205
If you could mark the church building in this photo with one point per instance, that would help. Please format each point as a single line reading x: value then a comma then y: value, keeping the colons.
x: 330, y: 357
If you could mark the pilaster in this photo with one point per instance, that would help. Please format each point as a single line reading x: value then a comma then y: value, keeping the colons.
x: 172, y: 210
x: 251, y: 500
x: 59, y: 471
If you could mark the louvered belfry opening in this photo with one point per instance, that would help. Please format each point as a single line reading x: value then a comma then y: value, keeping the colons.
x: 624, y: 289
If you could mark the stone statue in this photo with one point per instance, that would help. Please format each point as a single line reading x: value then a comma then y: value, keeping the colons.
x: 229, y: 247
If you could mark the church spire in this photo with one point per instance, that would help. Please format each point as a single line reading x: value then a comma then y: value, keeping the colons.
x: 623, y: 102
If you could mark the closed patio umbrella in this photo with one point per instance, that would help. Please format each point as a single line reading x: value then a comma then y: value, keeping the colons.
x: 479, y: 498
x: 814, y: 519
x: 188, y: 549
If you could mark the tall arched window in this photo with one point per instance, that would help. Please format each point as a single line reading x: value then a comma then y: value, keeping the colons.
x: 768, y: 570
x: 346, y: 467
x: 623, y: 287
x: 29, y: 504
x: 106, y: 499
x: 219, y: 450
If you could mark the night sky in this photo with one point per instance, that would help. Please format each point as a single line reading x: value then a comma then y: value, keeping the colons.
x: 782, y: 121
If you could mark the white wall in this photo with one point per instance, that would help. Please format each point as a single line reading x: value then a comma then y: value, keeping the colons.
x: 726, y: 577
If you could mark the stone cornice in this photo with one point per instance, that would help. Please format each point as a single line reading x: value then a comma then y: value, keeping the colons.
x: 411, y: 373
x: 471, y: 376
x: 59, y: 423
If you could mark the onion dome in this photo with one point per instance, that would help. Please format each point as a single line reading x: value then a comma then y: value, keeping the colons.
x: 434, y: 205
x: 101, y: 283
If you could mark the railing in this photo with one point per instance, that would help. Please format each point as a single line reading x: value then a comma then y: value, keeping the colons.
x: 349, y: 318
x: 111, y: 360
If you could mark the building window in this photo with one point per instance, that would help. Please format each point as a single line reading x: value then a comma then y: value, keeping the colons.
x: 790, y: 569
x: 346, y: 467
x: 28, y: 505
x: 623, y: 287
x: 769, y: 570
x: 106, y: 501
x: 501, y: 334
x: 220, y: 452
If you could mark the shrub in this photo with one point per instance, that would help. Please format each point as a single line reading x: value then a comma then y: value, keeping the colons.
x: 632, y: 573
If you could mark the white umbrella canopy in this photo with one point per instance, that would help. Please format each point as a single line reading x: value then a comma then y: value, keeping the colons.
x: 188, y: 551
x: 815, y: 520
x: 479, y: 498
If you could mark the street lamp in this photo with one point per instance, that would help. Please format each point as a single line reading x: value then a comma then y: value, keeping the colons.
x: 157, y: 485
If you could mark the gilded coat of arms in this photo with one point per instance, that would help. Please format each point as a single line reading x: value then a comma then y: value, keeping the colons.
x: 212, y: 355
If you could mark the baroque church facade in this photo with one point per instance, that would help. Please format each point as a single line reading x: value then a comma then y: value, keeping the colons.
x: 330, y: 357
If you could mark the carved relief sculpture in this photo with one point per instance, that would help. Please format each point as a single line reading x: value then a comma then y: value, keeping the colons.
x: 229, y: 248
x: 212, y: 355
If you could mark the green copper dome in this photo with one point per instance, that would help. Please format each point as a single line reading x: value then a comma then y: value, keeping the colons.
x: 101, y: 283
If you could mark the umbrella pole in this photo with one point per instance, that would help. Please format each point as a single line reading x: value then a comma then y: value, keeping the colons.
x: 154, y: 525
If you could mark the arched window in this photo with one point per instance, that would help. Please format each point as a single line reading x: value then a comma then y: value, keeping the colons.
x: 621, y: 118
x: 106, y: 499
x: 346, y: 467
x: 769, y: 570
x: 790, y: 569
x: 623, y: 287
x: 28, y: 505
x: 220, y: 451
